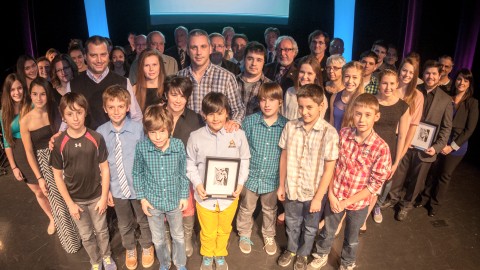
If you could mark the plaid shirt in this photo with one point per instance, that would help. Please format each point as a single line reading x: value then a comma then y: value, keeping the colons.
x: 359, y: 166
x: 161, y: 177
x: 263, y: 142
x: 215, y: 79
x: 306, y: 155
x: 372, y: 86
x: 249, y: 96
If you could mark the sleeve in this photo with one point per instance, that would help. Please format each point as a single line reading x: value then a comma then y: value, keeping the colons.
x: 445, y: 129
x: 472, y: 120
x: 331, y: 144
x: 284, y: 137
x: 245, y: 159
x: 5, y: 143
x: 417, y: 115
x: 192, y: 170
x: 56, y: 159
x: 381, y: 169
x: 138, y: 173
x: 135, y: 111
x: 185, y: 184
x: 102, y: 150
x: 238, y: 108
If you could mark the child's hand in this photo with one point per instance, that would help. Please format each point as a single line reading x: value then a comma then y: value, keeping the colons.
x: 231, y: 126
x: 281, y: 193
x: 316, y: 205
x: 43, y: 186
x: 110, y: 200
x: 101, y: 206
x: 334, y: 203
x: 52, y: 140
x: 145, y: 206
x: 75, y: 211
x: 237, y: 192
x: 183, y: 205
x: 392, y: 171
x: 18, y: 174
x: 201, y: 191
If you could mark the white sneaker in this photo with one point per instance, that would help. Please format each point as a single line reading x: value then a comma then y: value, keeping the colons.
x: 318, y: 262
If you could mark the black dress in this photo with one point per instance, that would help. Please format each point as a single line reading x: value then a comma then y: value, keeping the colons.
x: 152, y: 97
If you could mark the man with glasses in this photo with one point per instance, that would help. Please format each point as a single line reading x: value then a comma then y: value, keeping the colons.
x: 446, y: 66
x: 218, y: 52
x: 336, y: 46
x: 318, y: 42
x: 283, y: 71
x: 179, y: 51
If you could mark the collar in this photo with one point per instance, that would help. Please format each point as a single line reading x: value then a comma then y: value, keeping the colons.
x: 262, y: 78
x: 209, y: 131
x: 172, y: 148
x: 209, y: 69
x: 369, y: 140
x: 317, y: 126
x: 102, y: 76
x: 261, y: 121
x: 125, y: 128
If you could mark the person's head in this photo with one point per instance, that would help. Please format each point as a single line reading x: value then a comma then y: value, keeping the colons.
x: 336, y: 46
x: 27, y: 68
x: 75, y: 42
x: 41, y: 95
x: 109, y: 44
x: 150, y: 69
x: 318, y: 42
x: 254, y: 58
x: 77, y: 54
x: 215, y: 110
x: 140, y: 43
x: 408, y: 72
x: 334, y: 66
x: 131, y: 38
x: 392, y: 55
x: 177, y: 91
x: 63, y: 70
x: 73, y: 108
x: 116, y: 103
x: 365, y: 112
x: 228, y: 33
x: 270, y: 96
x: 352, y: 76
x: 239, y: 42
x: 310, y: 102
x: 13, y: 98
x: 51, y: 53
x: 431, y: 74
x: 198, y: 48
x: 286, y: 50
x: 96, y: 50
x: 464, y: 83
x: 369, y: 60
x: 446, y: 65
x: 309, y: 71
x: 270, y: 35
x: 118, y: 58
x: 180, y: 34
x: 218, y: 47
x: 388, y: 82
x: 158, y: 125
x: 43, y: 67
x: 156, y: 40
x: 380, y: 48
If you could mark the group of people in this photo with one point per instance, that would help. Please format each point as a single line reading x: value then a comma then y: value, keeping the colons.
x: 318, y: 141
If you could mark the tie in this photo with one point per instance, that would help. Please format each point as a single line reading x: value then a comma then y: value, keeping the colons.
x: 121, y: 172
x: 182, y: 58
x: 280, y: 74
x: 270, y: 56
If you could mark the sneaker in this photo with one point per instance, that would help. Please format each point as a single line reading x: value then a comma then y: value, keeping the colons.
x: 131, y: 259
x: 148, y: 257
x: 402, y: 215
x: 108, y: 263
x: 207, y: 263
x: 286, y: 258
x: 300, y: 263
x: 346, y: 267
x: 181, y: 268
x: 245, y: 244
x: 388, y: 204
x: 220, y: 263
x: 270, y: 245
x: 96, y: 266
x: 377, y: 214
x: 318, y: 262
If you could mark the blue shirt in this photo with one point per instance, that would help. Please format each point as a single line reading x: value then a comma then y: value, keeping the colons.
x: 130, y: 134
x: 161, y: 176
x: 263, y: 140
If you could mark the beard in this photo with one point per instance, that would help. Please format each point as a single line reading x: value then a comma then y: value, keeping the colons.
x: 216, y: 58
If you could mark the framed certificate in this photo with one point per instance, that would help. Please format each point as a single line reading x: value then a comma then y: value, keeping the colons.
x: 221, y: 176
x: 424, y: 135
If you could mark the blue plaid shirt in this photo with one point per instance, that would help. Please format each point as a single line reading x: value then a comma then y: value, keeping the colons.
x: 161, y: 177
x: 263, y: 140
x: 372, y: 86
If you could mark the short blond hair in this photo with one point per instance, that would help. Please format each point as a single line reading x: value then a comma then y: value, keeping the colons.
x: 116, y: 91
x: 366, y: 100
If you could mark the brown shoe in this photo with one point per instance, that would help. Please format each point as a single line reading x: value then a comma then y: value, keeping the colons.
x: 148, y: 257
x: 131, y: 259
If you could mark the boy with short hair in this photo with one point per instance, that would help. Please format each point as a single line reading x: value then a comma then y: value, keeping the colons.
x: 363, y: 165
x: 121, y: 135
x: 80, y: 168
x: 263, y: 130
x: 161, y: 183
x: 215, y: 215
x: 307, y: 162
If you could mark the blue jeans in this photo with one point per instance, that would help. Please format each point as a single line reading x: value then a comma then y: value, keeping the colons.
x: 354, y: 220
x: 302, y: 226
x: 157, y: 226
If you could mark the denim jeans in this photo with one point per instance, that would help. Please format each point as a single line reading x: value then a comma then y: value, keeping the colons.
x: 354, y: 220
x: 157, y: 226
x: 129, y: 211
x: 302, y: 226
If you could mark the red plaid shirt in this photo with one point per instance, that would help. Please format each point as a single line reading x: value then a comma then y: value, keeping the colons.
x: 359, y: 166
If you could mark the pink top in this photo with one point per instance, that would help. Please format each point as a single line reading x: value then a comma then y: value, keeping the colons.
x: 419, y: 99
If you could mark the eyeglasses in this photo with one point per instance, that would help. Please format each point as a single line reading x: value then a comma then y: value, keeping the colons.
x: 62, y: 69
x: 218, y: 46
x: 333, y: 68
x: 287, y: 50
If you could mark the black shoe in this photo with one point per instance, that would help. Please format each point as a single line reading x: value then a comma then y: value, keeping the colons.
x: 432, y: 212
x: 418, y: 205
x: 402, y: 215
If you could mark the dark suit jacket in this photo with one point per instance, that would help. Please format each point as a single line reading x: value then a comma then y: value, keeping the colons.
x: 287, y: 81
x: 440, y: 114
x: 230, y: 66
x: 173, y: 52
x: 465, y: 121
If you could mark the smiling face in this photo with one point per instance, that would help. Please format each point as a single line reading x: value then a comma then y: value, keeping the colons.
x: 151, y: 67
x: 116, y: 111
x: 306, y: 75
x: 309, y: 110
x: 462, y: 84
x: 79, y: 59
x: 254, y: 63
x: 406, y: 73
x: 31, y: 69
x: 16, y: 91
x: 364, y: 118
x: 431, y: 77
x: 97, y: 58
x: 270, y: 106
x: 176, y: 101
x: 352, y: 79
x: 388, y: 85
x: 75, y: 117
x: 43, y: 68
x: 38, y: 96
x: 64, y: 71
x: 285, y: 52
x: 216, y: 121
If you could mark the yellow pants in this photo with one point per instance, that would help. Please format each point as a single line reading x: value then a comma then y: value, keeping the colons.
x: 216, y: 227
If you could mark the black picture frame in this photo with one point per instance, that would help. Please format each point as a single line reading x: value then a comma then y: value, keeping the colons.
x: 221, y: 176
x: 424, y: 135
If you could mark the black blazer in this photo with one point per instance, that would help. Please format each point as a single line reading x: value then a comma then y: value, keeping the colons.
x: 287, y: 81
x: 173, y: 52
x: 465, y: 121
x: 230, y: 66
